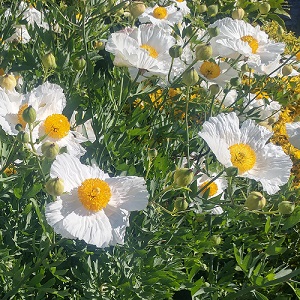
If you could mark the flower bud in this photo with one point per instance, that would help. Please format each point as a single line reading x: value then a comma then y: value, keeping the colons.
x: 55, y: 186
x: 212, y: 10
x: 183, y: 176
x: 238, y: 14
x: 175, y: 51
x: 29, y: 114
x: 8, y: 82
x: 231, y: 171
x: 286, y: 207
x: 216, y: 240
x: 152, y: 153
x: 50, y: 150
x: 236, y: 81
x: 23, y: 137
x: 79, y: 63
x: 136, y: 8
x: 287, y: 70
x: 213, y: 31
x: 19, y: 127
x: 190, y: 77
x: 180, y: 204
x: 99, y: 45
x: 264, y: 8
x: 48, y: 61
x: 255, y: 201
x: 203, y: 51
x: 214, y: 89
x: 202, y: 8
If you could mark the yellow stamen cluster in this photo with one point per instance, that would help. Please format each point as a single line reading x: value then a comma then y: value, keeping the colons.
x: 212, y: 187
x: 151, y: 51
x: 210, y: 70
x: 57, y: 126
x: 20, y: 115
x: 242, y: 157
x: 94, y: 194
x: 160, y: 12
x: 252, y: 42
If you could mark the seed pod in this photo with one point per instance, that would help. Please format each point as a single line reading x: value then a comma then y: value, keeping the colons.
x: 183, y: 176
x: 216, y: 240
x: 55, y: 186
x: 175, y: 51
x: 180, y: 204
x: 264, y: 8
x: 203, y: 51
x: 238, y: 14
x: 79, y: 63
x: 23, y: 137
x: 50, y: 150
x: 190, y: 77
x: 213, y: 31
x: 287, y: 70
x: 214, y: 89
x: 202, y: 8
x: 8, y: 82
x: 255, y: 201
x: 29, y: 114
x: 212, y: 10
x: 286, y: 207
x: 48, y: 61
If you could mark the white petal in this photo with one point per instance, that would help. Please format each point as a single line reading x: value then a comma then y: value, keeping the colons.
x: 293, y: 131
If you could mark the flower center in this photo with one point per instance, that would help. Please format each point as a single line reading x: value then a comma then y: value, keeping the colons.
x: 261, y: 95
x: 210, y: 70
x: 298, y: 56
x: 212, y: 187
x: 20, y: 115
x: 94, y: 194
x: 57, y: 126
x: 242, y: 157
x: 151, y: 51
x: 160, y: 12
x: 180, y: 0
x: 252, y: 42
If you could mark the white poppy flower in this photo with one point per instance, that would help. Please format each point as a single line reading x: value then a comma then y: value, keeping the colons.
x: 21, y: 35
x: 293, y: 132
x: 94, y: 207
x: 182, y: 5
x: 246, y: 148
x: 217, y: 187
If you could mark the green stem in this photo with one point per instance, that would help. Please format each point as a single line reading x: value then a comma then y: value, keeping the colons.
x: 187, y: 126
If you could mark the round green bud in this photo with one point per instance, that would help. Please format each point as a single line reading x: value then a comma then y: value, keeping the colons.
x: 180, y: 204
x: 212, y: 10
x: 23, y: 137
x: 213, y: 31
x: 48, y: 61
x: 79, y: 63
x: 8, y: 82
x: 236, y: 81
x: 287, y: 70
x: 286, y: 207
x: 29, y: 114
x: 245, y: 68
x: 264, y: 8
x: 214, y: 89
x: 231, y: 171
x: 55, y: 186
x: 238, y: 14
x: 99, y: 45
x: 203, y: 51
x: 175, y: 51
x: 19, y: 127
x: 183, y: 177
x: 216, y: 240
x: 202, y: 8
x: 152, y: 153
x: 190, y: 77
x: 136, y: 8
x: 255, y: 200
x: 50, y: 150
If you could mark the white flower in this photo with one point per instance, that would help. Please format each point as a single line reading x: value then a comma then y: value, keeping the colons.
x: 21, y: 35
x: 217, y: 210
x: 237, y: 37
x: 85, y: 129
x: 293, y: 132
x: 215, y: 72
x: 246, y: 148
x: 216, y: 187
x: 94, y: 207
x: 182, y: 5
x: 145, y: 48
x: 162, y: 16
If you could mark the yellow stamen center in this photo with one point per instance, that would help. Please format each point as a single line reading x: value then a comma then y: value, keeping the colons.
x: 212, y: 187
x: 94, y: 194
x: 20, y: 115
x: 242, y: 157
x: 252, y: 42
x: 57, y: 126
x: 261, y: 95
x: 160, y: 12
x: 10, y: 171
x: 151, y: 51
x: 298, y: 56
x: 210, y: 70
x: 180, y: 0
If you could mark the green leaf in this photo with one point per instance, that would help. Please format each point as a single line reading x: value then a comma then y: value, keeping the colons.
x: 268, y: 225
x: 292, y: 220
x: 260, y: 296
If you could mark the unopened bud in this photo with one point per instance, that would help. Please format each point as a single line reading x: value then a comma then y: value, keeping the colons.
x: 264, y: 8
x: 19, y: 127
x: 152, y: 153
x: 203, y: 51
x: 50, y: 150
x: 287, y: 70
x: 183, y: 176
x: 8, y: 82
x: 212, y: 10
x: 180, y: 204
x: 214, y: 89
x: 216, y: 240
x: 286, y: 207
x: 202, y: 8
x: 236, y: 81
x: 213, y: 31
x: 255, y: 201
x: 23, y: 137
x: 55, y: 186
x: 136, y: 8
x: 238, y: 14
x: 79, y: 63
x: 29, y: 114
x: 190, y: 77
x: 175, y: 51
x: 48, y: 61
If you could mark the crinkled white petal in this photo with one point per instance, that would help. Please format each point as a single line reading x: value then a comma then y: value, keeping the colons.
x: 293, y: 132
